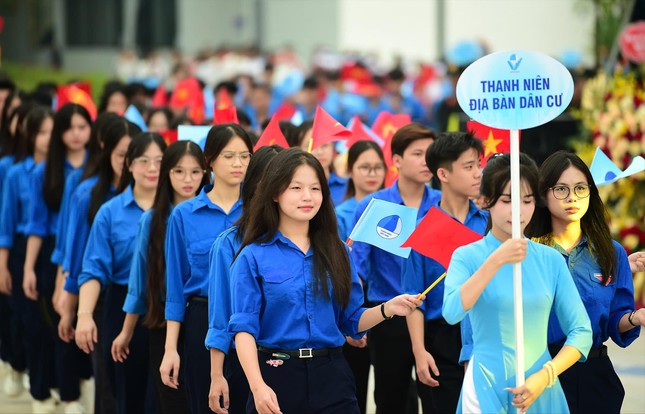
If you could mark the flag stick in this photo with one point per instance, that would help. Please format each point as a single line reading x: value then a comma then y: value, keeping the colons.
x: 311, y: 145
x: 425, y: 292
x: 349, y: 242
x: 517, y: 267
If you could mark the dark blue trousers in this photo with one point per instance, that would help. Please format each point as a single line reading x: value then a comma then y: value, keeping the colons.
x: 129, y: 379
x: 169, y: 400
x: 196, y: 358
x: 238, y: 386
x: 17, y: 302
x: 319, y: 385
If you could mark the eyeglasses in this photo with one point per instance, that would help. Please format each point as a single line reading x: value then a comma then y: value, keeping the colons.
x: 180, y: 173
x: 230, y: 157
x: 561, y: 192
x: 366, y: 169
x: 146, y: 162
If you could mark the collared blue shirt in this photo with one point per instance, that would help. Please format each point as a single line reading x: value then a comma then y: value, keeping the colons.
x: 605, y: 305
x: 419, y: 272
x: 78, y: 231
x: 61, y: 231
x: 192, y: 229
x: 135, y: 300
x: 273, y: 299
x: 337, y: 188
x: 6, y: 163
x: 345, y: 216
x: 42, y: 220
x: 219, y: 289
x: 108, y: 254
x: 14, y: 212
x: 381, y: 269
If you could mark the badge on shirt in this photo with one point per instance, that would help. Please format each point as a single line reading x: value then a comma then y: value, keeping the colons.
x: 281, y: 355
x: 275, y: 362
x: 599, y: 277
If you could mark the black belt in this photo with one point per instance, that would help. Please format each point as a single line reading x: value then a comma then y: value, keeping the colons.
x: 198, y: 299
x: 302, y: 353
x: 593, y: 352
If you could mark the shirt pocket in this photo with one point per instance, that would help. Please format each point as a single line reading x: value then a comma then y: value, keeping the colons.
x: 600, y: 292
x: 198, y: 257
x: 280, y: 286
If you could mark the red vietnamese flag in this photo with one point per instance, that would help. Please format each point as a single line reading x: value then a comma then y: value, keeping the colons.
x: 495, y: 141
x: 326, y: 129
x: 160, y: 98
x: 358, y: 132
x: 284, y: 112
x: 169, y: 135
x: 225, y: 111
x: 438, y: 235
x: 188, y: 95
x: 74, y: 94
x: 386, y: 125
x: 272, y: 135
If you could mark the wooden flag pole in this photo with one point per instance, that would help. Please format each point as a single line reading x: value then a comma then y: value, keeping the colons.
x: 517, y: 267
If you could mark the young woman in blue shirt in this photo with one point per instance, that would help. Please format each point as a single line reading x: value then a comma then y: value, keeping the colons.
x: 295, y: 295
x: 67, y: 153
x: 229, y: 390
x: 13, y: 221
x: 181, y: 176
x: 574, y: 222
x: 366, y: 169
x: 106, y: 264
x: 193, y: 226
x: 479, y: 284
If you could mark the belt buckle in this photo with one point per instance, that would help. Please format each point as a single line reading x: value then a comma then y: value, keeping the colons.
x: 305, y: 353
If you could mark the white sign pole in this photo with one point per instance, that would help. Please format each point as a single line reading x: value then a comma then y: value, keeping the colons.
x: 517, y: 267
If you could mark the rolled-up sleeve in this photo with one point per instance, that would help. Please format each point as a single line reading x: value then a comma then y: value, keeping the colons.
x: 98, y: 258
x: 246, y: 296
x: 623, y: 300
x: 177, y: 268
x: 135, y: 300
x: 351, y: 315
x: 219, y: 294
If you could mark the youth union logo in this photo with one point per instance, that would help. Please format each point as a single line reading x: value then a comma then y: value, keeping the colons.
x: 514, y: 62
x: 389, y: 227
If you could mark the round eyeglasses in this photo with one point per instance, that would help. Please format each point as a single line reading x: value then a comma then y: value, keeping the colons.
x: 561, y: 192
x: 230, y: 157
x: 180, y: 173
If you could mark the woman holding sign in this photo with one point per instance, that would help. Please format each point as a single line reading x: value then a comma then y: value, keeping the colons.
x: 480, y: 284
x: 295, y: 294
x: 573, y: 222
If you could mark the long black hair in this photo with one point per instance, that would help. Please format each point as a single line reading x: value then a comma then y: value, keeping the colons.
x: 219, y: 136
x: 164, y: 199
x: 6, y: 137
x: 33, y: 123
x: 498, y: 173
x: 593, y: 223
x: 258, y: 164
x: 137, y: 148
x: 354, y: 152
x: 54, y: 178
x: 96, y: 143
x: 330, y: 254
x: 115, y: 129
x: 15, y: 144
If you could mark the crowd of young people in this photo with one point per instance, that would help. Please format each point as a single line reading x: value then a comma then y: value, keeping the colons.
x: 194, y: 280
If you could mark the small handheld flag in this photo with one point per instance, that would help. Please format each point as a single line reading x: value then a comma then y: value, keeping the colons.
x: 604, y: 171
x: 225, y: 111
x: 76, y: 94
x: 326, y: 129
x: 133, y: 115
x: 360, y: 132
x: 494, y: 140
x: 272, y: 135
x: 385, y: 225
x: 385, y: 125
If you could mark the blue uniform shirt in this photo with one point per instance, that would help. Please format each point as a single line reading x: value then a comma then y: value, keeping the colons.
x: 192, y: 229
x: 419, y: 272
x: 337, y: 188
x: 219, y: 289
x: 78, y: 230
x: 345, y: 217
x: 42, y: 220
x: 6, y: 163
x: 14, y: 212
x: 381, y: 269
x: 108, y: 254
x: 273, y: 299
x: 61, y: 232
x: 605, y: 305
x: 135, y: 300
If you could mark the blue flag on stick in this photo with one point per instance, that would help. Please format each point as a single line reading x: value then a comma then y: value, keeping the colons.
x: 604, y: 171
x: 386, y: 225
x: 133, y: 115
x: 195, y: 133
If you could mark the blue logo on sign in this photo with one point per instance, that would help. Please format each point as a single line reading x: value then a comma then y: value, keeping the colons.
x: 513, y: 62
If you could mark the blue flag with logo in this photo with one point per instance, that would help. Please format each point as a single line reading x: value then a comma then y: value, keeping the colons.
x: 386, y: 225
x: 133, y: 115
x: 604, y: 171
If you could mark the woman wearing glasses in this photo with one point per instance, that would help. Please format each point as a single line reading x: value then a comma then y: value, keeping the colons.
x: 192, y: 228
x: 574, y: 222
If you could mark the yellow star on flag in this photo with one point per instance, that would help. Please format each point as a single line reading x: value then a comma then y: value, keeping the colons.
x: 490, y: 144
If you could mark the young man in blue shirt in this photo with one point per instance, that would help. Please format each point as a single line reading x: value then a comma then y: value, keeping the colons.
x: 389, y: 342
x: 455, y: 160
